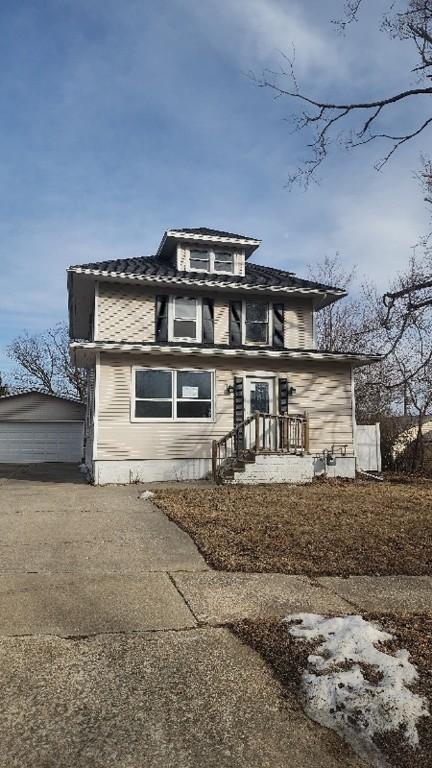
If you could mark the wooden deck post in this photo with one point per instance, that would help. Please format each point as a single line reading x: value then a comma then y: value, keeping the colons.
x: 257, y: 426
x: 306, y: 432
x: 214, y: 459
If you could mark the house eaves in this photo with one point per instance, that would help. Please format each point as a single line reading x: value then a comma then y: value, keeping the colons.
x: 84, y: 352
x: 328, y: 296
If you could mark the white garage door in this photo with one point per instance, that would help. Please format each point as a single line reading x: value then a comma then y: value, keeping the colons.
x: 32, y: 442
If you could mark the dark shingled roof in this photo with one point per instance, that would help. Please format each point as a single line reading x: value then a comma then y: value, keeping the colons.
x: 210, y: 232
x: 255, y: 274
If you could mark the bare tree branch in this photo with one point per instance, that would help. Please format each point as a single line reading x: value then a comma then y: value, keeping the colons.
x: 43, y: 363
x: 322, y: 116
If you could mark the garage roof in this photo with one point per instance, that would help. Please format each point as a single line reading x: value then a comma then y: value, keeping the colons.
x: 33, y: 405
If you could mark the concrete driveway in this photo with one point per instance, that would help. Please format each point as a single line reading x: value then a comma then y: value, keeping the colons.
x: 103, y: 662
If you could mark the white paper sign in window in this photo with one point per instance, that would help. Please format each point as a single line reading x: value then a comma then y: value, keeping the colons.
x: 190, y: 392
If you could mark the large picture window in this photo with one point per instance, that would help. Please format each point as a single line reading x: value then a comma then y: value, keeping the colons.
x: 256, y: 322
x: 175, y: 395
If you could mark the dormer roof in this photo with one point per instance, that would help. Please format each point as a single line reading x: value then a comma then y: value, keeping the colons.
x: 205, y: 236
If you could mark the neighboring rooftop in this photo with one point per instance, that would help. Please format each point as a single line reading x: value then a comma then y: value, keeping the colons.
x: 36, y: 391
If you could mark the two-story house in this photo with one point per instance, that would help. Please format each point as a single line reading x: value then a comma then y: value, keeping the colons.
x: 201, y: 361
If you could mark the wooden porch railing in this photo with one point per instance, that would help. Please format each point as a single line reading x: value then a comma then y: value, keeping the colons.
x: 260, y: 433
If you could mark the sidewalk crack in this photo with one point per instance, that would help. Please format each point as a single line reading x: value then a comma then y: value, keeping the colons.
x: 185, y: 600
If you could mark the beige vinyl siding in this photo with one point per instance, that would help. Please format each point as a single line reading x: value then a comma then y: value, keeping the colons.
x: 321, y: 388
x: 89, y: 418
x: 120, y: 438
x: 182, y: 258
x: 298, y: 324
x: 125, y: 313
x: 221, y: 322
x: 239, y: 263
x: 36, y: 407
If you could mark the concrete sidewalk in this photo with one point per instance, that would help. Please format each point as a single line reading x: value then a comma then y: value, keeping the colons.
x: 217, y: 597
x: 110, y: 656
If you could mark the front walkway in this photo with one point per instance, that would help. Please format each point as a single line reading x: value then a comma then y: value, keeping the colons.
x: 113, y: 646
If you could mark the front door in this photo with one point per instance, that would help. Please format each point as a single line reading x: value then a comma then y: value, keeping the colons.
x: 260, y: 397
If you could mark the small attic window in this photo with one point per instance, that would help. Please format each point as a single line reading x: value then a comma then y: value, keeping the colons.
x: 211, y: 261
x: 200, y: 260
x: 223, y: 261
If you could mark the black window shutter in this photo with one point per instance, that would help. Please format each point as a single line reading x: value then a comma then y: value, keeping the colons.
x: 239, y: 409
x: 161, y: 318
x: 207, y: 321
x: 283, y: 395
x: 278, y: 326
x: 235, y: 323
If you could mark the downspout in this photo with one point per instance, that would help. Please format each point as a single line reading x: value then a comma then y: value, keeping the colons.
x: 96, y: 415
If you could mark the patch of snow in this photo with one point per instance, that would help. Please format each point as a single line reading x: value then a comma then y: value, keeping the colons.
x: 339, y: 696
x: 146, y: 495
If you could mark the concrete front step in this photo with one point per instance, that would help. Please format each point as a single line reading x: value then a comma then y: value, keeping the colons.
x: 286, y: 468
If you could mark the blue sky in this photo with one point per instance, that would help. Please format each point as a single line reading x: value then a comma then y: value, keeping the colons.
x: 120, y: 119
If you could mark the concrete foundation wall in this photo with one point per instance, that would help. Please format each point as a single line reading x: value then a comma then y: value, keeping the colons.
x: 267, y: 469
x: 152, y: 470
x: 292, y: 469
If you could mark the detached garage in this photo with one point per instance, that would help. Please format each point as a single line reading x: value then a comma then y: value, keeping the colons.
x: 36, y: 428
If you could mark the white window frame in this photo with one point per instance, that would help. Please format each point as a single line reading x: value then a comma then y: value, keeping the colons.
x: 173, y: 400
x: 212, y: 257
x: 267, y: 343
x: 198, y: 320
x: 200, y: 250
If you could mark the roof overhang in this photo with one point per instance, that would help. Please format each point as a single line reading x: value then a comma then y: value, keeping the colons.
x: 174, y: 236
x: 84, y: 353
x: 35, y: 391
x: 321, y: 298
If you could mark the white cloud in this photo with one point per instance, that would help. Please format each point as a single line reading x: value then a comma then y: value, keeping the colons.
x: 257, y: 31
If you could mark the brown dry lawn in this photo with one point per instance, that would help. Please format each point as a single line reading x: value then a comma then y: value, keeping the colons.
x: 326, y: 528
x: 287, y: 658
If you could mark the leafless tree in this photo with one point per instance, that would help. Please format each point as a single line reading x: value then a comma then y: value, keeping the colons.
x: 343, y: 325
x: 4, y: 389
x: 353, y: 124
x: 399, y: 383
x: 356, y: 123
x: 43, y: 362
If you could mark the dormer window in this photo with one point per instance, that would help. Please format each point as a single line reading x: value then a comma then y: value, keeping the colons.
x: 210, y: 260
x: 223, y: 261
x: 199, y: 261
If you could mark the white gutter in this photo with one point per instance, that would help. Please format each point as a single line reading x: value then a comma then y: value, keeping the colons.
x: 156, y: 279
x: 111, y: 346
